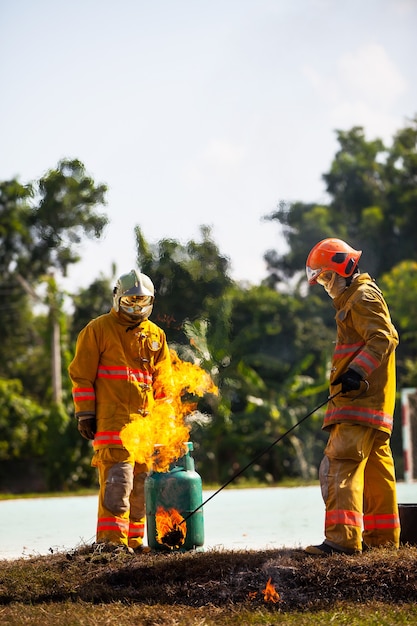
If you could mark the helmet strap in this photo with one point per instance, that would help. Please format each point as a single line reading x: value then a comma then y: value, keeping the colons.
x: 349, y: 279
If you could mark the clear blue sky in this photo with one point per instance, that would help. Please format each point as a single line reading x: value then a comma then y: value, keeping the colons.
x: 199, y: 111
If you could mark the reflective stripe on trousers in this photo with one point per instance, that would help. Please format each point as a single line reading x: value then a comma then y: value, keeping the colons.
x: 357, y: 479
x: 121, y: 503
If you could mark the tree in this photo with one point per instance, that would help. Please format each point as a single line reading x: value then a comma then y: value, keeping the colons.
x: 90, y: 302
x: 372, y: 191
x: 401, y: 173
x: 188, y: 279
x: 253, y: 342
x: 22, y: 427
x: 65, y: 212
x: 372, y: 205
x: 267, y: 370
x: 268, y: 348
x: 41, y: 223
x: 40, y: 227
x: 400, y: 290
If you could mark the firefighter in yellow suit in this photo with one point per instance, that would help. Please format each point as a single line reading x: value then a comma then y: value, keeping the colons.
x: 357, y: 474
x: 121, y: 367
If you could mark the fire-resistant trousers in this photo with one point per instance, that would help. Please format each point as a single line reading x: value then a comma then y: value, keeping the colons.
x: 121, y: 504
x: 357, y: 479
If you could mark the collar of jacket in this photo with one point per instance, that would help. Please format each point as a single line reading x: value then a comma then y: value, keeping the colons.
x: 362, y: 279
x: 123, y: 321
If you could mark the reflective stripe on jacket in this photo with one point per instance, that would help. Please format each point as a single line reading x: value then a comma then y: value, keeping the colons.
x: 118, y: 372
x: 366, y: 342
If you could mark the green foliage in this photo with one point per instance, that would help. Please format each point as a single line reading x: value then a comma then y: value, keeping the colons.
x: 40, y: 448
x: 40, y: 226
x: 18, y: 329
x: 400, y: 290
x: 65, y: 213
x: 90, y: 302
x: 355, y: 180
x: 41, y: 223
x: 188, y: 279
x: 22, y: 422
x: 372, y: 190
x: 265, y: 375
x: 14, y: 216
x: 67, y: 456
x: 267, y: 347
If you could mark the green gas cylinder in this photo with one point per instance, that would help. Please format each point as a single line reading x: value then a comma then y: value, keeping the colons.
x: 181, y: 489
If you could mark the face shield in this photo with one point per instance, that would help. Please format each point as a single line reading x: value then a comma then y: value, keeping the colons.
x: 325, y: 278
x: 312, y: 274
x: 136, y: 307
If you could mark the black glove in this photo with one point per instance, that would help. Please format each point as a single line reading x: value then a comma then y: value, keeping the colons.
x: 87, y: 426
x: 350, y: 381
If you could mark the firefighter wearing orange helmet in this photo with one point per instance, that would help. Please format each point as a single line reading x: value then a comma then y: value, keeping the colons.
x: 121, y: 367
x: 357, y: 474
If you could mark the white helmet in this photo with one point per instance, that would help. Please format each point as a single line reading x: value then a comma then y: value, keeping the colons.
x: 134, y: 295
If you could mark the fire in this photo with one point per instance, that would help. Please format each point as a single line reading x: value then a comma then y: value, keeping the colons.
x: 169, y: 529
x: 190, y: 378
x: 165, y: 425
x: 270, y: 593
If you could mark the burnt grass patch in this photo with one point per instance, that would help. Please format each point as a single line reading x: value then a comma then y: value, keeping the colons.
x: 213, y: 578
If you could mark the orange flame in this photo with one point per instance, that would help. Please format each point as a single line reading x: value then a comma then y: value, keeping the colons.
x: 165, y: 425
x: 168, y: 521
x: 190, y: 378
x: 270, y: 593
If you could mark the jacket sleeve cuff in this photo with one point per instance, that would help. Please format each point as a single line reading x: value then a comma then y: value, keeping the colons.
x: 82, y: 415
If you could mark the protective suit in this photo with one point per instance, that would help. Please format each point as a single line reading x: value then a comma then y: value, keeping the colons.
x: 357, y: 474
x: 120, y: 369
x: 366, y: 342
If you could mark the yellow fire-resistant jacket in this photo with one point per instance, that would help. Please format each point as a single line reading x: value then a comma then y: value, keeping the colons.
x: 118, y: 372
x: 366, y: 342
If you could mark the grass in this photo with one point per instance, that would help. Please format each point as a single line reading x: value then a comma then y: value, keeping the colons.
x: 84, y: 587
x: 52, y: 494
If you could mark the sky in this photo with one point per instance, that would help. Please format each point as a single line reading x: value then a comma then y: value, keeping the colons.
x: 198, y: 112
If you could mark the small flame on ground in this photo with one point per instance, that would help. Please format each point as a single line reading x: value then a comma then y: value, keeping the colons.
x: 270, y: 593
x: 169, y: 529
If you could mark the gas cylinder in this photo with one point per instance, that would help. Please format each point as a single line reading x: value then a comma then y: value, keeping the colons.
x: 180, y: 489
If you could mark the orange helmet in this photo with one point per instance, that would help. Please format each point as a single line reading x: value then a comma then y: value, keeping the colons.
x: 332, y: 255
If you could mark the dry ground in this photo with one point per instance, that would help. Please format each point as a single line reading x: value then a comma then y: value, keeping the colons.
x: 184, y: 586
